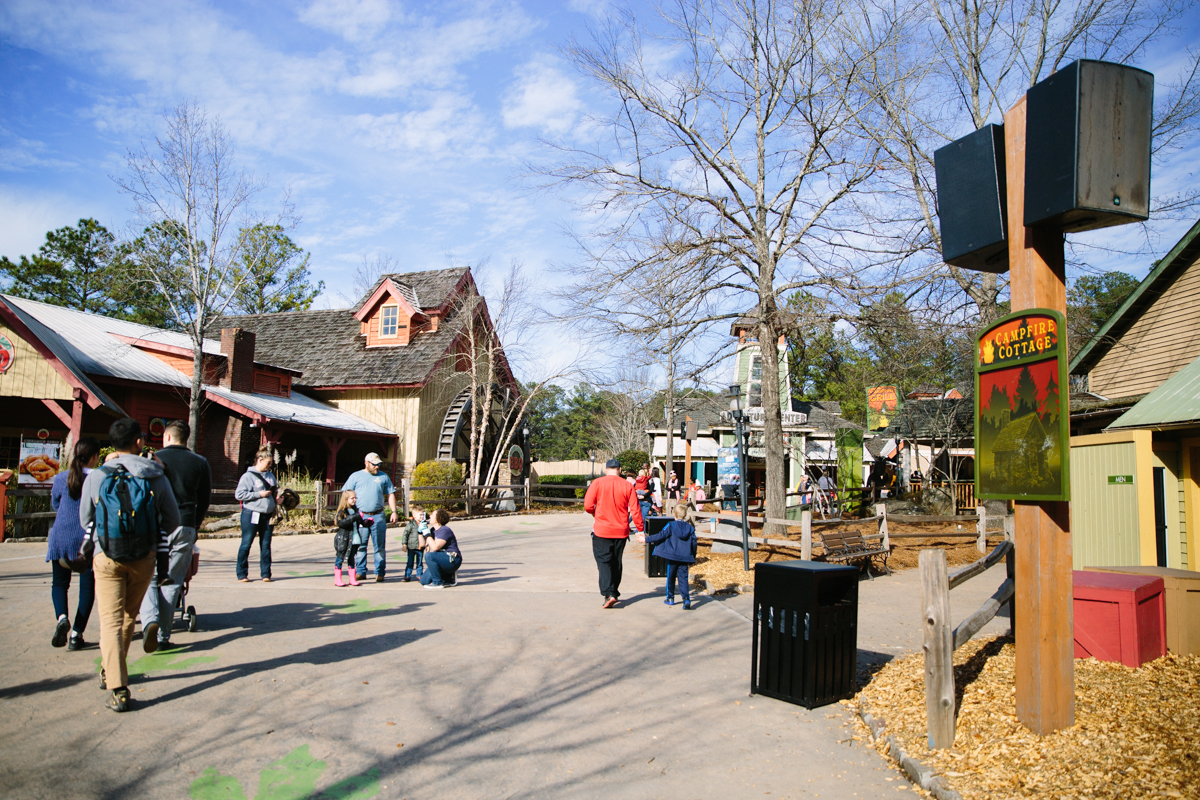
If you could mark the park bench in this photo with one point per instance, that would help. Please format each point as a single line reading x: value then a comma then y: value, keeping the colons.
x: 850, y: 547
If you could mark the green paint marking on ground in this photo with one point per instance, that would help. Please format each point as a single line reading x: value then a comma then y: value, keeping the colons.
x: 293, y: 777
x: 212, y: 785
x: 358, y: 787
x: 518, y: 532
x: 360, y: 606
x: 156, y: 662
x: 312, y: 574
x: 529, y: 523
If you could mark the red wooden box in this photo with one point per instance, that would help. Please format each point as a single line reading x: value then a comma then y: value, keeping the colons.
x: 1119, y: 617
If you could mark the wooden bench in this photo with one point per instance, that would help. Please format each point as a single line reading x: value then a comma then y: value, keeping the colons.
x: 850, y: 547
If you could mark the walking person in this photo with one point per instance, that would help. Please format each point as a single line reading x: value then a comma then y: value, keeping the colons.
x: 612, y: 502
x: 256, y: 490
x: 123, y: 545
x: 676, y: 543
x: 191, y: 481
x: 372, y: 487
x: 672, y: 491
x: 64, y: 544
x: 642, y: 487
x: 442, y: 554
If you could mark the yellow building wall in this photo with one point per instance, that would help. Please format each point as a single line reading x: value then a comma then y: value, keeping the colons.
x: 395, y: 409
x: 435, y: 399
x: 30, y: 375
x: 1166, y: 456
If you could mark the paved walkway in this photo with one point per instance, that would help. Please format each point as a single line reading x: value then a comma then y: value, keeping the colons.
x: 514, y: 684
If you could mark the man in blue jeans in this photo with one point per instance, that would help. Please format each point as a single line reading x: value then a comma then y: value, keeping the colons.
x: 371, y: 488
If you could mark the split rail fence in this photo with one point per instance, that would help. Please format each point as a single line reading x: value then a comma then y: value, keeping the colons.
x: 941, y: 640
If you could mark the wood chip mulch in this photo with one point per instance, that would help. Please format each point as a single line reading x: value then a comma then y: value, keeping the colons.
x: 1136, y: 732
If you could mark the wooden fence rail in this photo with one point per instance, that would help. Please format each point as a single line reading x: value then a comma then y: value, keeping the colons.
x: 940, y: 640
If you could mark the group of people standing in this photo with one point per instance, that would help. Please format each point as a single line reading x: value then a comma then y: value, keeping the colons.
x: 127, y: 527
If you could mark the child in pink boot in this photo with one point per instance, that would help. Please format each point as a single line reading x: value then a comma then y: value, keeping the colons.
x: 353, y: 529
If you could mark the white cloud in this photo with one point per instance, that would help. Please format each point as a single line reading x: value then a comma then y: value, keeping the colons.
x: 353, y: 20
x: 542, y: 96
x: 26, y: 215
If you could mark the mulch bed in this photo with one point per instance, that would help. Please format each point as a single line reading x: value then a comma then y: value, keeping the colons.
x: 1135, y: 733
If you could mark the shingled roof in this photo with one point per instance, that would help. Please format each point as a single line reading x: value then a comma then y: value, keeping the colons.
x: 328, y: 346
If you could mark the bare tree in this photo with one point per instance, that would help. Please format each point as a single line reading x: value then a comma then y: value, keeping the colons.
x: 628, y: 415
x: 736, y: 130
x: 367, y: 274
x: 987, y: 54
x: 194, y: 198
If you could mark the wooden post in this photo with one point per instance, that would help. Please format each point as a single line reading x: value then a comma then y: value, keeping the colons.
x: 881, y: 512
x: 467, y: 494
x: 5, y: 474
x: 687, y: 456
x: 1010, y: 528
x: 806, y: 535
x: 981, y: 529
x: 527, y: 485
x: 1045, y: 668
x: 406, y: 495
x: 1010, y: 568
x: 939, y: 649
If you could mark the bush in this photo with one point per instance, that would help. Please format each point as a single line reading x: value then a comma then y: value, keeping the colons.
x: 437, y: 473
x: 632, y: 460
x: 545, y: 491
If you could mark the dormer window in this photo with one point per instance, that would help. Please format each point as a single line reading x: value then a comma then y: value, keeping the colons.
x: 389, y: 321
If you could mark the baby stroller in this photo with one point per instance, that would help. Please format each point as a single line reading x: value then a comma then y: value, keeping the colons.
x: 188, y: 613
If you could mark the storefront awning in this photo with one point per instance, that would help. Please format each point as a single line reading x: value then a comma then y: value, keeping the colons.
x: 701, y: 448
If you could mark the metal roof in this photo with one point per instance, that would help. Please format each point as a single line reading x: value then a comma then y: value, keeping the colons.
x: 1164, y: 274
x: 299, y: 409
x: 86, y: 338
x: 1176, y: 402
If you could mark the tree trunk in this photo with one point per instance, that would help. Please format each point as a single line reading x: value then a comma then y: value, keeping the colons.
x: 768, y: 338
x: 197, y: 384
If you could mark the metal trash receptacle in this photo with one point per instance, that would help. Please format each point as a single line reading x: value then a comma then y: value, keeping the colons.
x: 805, y: 639
x: 655, y: 567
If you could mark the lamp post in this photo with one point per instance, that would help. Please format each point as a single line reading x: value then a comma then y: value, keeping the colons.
x: 739, y: 419
x: 525, y: 435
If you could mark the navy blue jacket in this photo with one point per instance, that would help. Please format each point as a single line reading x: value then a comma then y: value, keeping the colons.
x: 676, y: 542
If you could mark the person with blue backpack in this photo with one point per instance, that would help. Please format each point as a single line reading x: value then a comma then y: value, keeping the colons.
x: 124, y: 508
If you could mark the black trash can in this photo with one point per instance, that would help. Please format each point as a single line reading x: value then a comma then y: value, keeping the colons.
x: 732, y: 496
x: 655, y: 567
x: 805, y: 639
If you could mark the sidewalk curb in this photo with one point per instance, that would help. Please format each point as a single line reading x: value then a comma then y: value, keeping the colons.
x: 920, y: 774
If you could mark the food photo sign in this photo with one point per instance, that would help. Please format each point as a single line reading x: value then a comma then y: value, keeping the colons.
x: 40, y: 461
x: 1022, y: 438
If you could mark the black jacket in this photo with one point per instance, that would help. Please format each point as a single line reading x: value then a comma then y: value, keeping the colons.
x: 191, y: 480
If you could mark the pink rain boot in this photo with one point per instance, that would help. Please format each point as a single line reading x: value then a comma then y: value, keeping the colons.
x: 353, y: 577
x: 337, y: 577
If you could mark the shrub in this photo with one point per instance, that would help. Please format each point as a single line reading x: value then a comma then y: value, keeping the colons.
x: 632, y: 460
x: 577, y: 480
x: 437, y: 473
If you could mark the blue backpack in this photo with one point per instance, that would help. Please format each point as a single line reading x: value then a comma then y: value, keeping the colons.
x: 126, y: 516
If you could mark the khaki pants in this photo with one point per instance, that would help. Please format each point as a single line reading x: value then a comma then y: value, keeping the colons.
x: 119, y: 591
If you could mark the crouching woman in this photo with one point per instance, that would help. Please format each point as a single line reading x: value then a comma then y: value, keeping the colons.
x: 442, y: 556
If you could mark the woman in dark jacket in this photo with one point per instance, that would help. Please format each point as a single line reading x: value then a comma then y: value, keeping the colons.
x: 677, y: 544
x: 64, y: 542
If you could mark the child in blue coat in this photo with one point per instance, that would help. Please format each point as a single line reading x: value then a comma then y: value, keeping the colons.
x: 677, y: 544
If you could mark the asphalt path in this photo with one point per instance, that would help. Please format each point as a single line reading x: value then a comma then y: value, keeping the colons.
x: 513, y: 684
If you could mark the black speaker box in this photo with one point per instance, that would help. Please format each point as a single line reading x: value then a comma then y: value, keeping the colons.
x: 972, y: 201
x: 1087, y: 147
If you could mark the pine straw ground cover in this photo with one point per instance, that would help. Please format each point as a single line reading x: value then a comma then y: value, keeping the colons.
x: 1135, y: 733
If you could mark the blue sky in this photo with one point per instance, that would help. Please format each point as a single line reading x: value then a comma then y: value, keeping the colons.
x: 398, y: 128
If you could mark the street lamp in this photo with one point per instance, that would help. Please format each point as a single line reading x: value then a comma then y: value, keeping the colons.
x: 592, y: 458
x: 739, y: 419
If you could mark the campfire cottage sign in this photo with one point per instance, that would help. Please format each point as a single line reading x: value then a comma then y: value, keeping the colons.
x: 1021, y: 433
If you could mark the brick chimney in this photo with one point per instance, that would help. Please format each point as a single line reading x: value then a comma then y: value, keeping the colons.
x: 238, y: 347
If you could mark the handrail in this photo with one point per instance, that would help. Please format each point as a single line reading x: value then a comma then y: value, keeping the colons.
x: 964, y: 574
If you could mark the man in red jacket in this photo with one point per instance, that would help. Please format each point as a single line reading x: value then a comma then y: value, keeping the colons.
x: 612, y: 501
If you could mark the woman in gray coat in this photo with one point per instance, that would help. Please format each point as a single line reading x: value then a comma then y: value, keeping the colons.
x: 256, y: 490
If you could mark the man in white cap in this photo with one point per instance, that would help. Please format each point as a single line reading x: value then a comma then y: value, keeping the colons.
x: 371, y: 486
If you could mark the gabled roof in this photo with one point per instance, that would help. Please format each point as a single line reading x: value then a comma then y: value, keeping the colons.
x: 391, y: 287
x: 1160, y: 279
x: 430, y: 289
x: 1175, y: 402
x: 328, y: 347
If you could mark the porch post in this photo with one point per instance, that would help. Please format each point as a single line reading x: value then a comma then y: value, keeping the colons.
x: 332, y: 444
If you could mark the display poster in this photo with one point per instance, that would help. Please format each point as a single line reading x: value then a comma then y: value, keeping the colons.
x: 727, y: 465
x: 882, y: 404
x: 40, y: 461
x: 516, y: 461
x: 1021, y: 416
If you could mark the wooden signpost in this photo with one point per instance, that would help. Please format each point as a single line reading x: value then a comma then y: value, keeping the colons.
x: 1088, y: 129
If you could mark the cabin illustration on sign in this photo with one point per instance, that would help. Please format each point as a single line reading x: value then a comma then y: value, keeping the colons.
x: 1020, y: 452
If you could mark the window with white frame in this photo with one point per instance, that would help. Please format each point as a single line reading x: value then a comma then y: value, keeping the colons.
x: 754, y: 390
x: 389, y: 319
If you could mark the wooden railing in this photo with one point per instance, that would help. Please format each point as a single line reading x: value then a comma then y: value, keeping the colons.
x: 19, y: 515
x: 941, y: 640
x: 964, y: 492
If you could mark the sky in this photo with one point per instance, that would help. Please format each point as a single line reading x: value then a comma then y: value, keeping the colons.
x: 395, y: 128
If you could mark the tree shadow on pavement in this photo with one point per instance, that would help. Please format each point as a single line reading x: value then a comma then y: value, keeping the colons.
x: 47, y: 685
